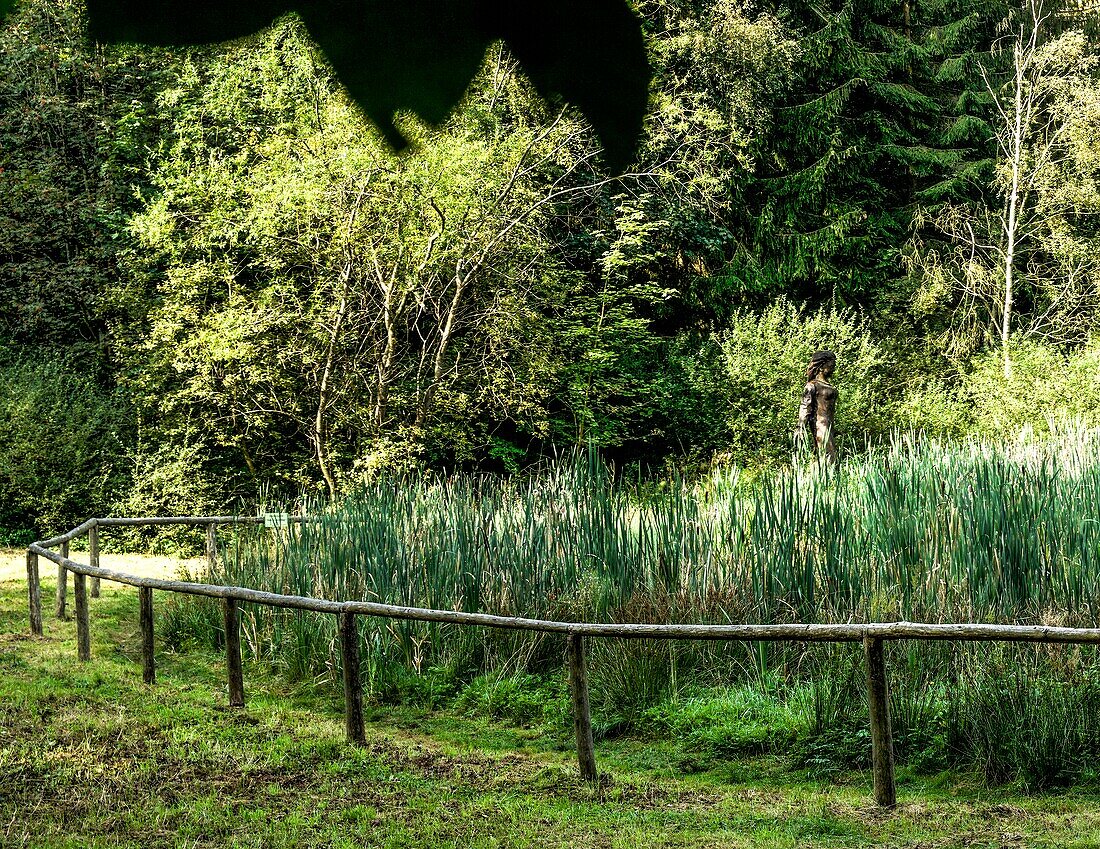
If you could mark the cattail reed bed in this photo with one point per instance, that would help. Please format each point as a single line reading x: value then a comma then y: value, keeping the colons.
x: 919, y: 530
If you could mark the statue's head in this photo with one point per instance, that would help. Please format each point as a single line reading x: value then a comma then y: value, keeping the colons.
x: 822, y: 364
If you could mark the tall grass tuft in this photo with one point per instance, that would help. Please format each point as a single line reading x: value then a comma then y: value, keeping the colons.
x: 919, y: 530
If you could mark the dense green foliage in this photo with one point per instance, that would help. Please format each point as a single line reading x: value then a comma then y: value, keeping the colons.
x: 263, y: 297
x: 66, y: 434
x: 224, y: 286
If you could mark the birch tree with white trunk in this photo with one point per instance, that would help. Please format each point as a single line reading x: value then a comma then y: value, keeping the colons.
x: 1019, y: 264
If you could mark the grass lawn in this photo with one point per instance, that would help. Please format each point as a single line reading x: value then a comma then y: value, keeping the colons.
x: 90, y: 757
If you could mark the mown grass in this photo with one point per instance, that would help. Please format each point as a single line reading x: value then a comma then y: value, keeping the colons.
x: 90, y: 757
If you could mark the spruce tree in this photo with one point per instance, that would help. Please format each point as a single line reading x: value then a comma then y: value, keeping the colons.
x: 886, y: 119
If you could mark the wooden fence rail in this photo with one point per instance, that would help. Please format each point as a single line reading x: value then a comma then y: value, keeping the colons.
x: 871, y: 634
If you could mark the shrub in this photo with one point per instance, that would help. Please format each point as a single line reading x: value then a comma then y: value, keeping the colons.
x: 935, y: 408
x: 190, y: 620
x: 1046, y: 390
x: 627, y: 677
x: 726, y: 722
x: 172, y: 479
x: 747, y: 380
x: 1020, y: 723
x: 835, y: 732
x: 62, y: 436
x: 519, y: 698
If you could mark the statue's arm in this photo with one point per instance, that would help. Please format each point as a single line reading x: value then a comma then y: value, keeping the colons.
x: 826, y: 407
x: 806, y: 408
x: 805, y: 415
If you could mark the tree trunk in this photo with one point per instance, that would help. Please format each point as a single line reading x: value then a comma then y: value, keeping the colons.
x: 1012, y: 210
x: 461, y: 282
x: 324, y: 392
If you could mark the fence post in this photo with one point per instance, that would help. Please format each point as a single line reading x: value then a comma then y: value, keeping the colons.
x: 34, y: 598
x: 353, y: 689
x: 62, y: 584
x: 93, y: 556
x: 882, y: 741
x: 83, y: 637
x: 148, y: 660
x: 211, y: 548
x: 233, y: 654
x: 582, y: 717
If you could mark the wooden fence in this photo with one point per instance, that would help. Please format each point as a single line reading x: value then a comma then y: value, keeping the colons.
x: 872, y: 635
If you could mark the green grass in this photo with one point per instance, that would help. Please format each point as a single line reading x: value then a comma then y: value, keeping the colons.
x: 90, y: 757
x: 918, y: 531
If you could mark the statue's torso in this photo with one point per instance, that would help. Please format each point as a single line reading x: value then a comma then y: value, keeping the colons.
x: 825, y: 395
x: 816, y: 413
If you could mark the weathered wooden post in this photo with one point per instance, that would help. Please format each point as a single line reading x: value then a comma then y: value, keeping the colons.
x: 34, y: 597
x: 353, y: 689
x: 211, y: 548
x: 62, y: 584
x: 83, y: 635
x: 93, y: 556
x: 882, y: 741
x: 233, y: 654
x: 582, y: 717
x: 148, y: 660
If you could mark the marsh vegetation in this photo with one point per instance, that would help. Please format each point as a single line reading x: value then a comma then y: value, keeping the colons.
x: 920, y: 531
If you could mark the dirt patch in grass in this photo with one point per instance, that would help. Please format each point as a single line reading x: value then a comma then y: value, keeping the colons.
x: 13, y: 564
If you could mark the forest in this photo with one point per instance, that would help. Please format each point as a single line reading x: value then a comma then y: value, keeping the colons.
x: 221, y: 284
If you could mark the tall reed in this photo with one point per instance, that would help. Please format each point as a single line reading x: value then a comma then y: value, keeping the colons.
x: 919, y: 530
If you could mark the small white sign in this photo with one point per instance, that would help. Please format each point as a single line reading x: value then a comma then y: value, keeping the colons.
x: 280, y: 521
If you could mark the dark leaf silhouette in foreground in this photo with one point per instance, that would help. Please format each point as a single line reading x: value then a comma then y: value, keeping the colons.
x: 420, y: 55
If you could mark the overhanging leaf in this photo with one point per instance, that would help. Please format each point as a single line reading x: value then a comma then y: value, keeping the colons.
x: 420, y: 55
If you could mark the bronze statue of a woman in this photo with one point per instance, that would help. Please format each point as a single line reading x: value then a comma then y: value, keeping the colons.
x: 815, y: 415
